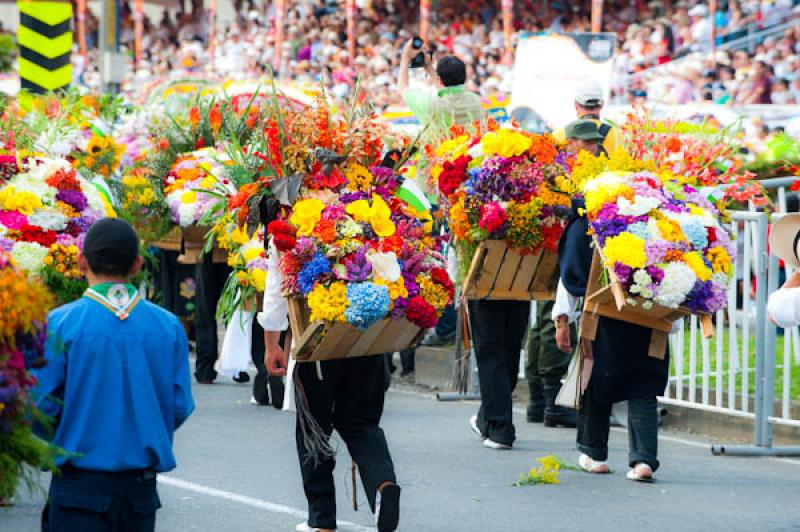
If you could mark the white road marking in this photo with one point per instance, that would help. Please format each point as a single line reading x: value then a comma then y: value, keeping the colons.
x: 271, y: 507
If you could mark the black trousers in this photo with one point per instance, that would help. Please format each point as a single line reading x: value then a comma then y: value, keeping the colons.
x: 171, y: 275
x: 593, y: 426
x: 93, y: 501
x: 498, y: 328
x: 348, y: 398
x: 210, y: 282
x: 263, y: 379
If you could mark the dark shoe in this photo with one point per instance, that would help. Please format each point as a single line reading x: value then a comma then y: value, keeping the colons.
x: 406, y: 372
x: 204, y: 381
x: 557, y: 416
x: 276, y: 390
x: 242, y: 377
x: 434, y: 340
x: 387, y: 513
x: 535, y: 412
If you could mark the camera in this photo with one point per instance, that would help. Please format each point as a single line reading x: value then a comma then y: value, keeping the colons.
x: 419, y: 59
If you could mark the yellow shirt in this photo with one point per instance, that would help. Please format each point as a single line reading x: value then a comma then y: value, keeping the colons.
x: 610, y: 143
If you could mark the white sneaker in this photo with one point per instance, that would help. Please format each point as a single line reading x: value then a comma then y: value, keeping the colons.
x: 473, y: 424
x: 641, y: 472
x: 491, y: 444
x: 592, y: 466
x: 303, y: 527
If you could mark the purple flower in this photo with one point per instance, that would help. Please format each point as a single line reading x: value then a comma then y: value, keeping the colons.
x: 357, y: 266
x: 655, y: 273
x: 624, y: 274
x: 74, y: 198
x: 656, y: 250
x: 399, y: 309
x: 350, y: 197
x: 383, y: 176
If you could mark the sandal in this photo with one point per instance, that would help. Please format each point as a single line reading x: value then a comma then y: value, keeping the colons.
x: 592, y: 466
x: 641, y: 472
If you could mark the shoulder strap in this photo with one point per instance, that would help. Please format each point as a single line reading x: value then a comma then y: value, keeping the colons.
x: 604, y: 129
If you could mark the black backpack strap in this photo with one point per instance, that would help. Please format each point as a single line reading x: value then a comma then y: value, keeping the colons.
x: 604, y: 129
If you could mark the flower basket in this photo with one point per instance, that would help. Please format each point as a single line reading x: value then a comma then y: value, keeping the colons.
x: 323, y: 340
x: 610, y: 301
x: 499, y: 272
x: 193, y: 240
x: 171, y: 241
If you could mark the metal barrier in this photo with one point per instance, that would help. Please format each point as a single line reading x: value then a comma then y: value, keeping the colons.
x: 739, y: 372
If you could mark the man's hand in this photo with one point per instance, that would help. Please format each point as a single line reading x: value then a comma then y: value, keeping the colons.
x: 563, y: 340
x: 276, y: 361
x: 409, y: 51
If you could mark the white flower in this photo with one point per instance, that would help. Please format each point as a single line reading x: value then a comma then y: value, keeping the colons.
x: 187, y: 214
x: 48, y: 219
x: 93, y: 197
x: 604, y: 180
x: 385, y: 266
x: 29, y: 256
x: 639, y: 207
x: 476, y: 152
x: 676, y: 285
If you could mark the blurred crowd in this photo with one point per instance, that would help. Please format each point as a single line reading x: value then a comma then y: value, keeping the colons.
x: 315, y: 46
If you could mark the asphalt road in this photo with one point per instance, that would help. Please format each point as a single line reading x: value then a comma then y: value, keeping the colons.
x: 237, y: 471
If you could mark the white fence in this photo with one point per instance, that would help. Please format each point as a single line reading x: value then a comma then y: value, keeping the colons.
x: 747, y: 365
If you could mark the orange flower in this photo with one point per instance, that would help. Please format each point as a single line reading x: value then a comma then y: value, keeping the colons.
x: 194, y: 116
x: 673, y: 144
x: 543, y: 149
x: 215, y: 117
x: 325, y: 230
x: 162, y: 144
x: 674, y: 255
x: 243, y: 195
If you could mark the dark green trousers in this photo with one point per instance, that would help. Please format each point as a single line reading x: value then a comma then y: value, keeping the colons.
x: 545, y: 365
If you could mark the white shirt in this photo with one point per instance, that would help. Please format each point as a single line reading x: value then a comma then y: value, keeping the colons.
x: 274, y: 316
x: 565, y: 304
x: 784, y: 307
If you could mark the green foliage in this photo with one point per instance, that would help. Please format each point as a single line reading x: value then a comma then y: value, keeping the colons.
x: 22, y: 455
x: 64, y: 289
x: 8, y: 50
x: 546, y: 473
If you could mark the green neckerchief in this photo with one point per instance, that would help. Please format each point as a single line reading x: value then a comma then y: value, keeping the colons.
x: 455, y: 89
x: 118, y: 298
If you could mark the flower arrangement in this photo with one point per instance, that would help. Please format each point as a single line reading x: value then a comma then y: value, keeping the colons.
x: 502, y: 184
x: 45, y: 211
x: 140, y: 205
x: 194, y: 186
x: 24, y: 304
x: 661, y: 239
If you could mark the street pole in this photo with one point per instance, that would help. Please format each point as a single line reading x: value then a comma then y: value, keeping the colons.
x: 112, y: 64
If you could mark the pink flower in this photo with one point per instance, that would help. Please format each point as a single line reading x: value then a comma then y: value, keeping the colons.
x: 13, y: 220
x: 493, y: 216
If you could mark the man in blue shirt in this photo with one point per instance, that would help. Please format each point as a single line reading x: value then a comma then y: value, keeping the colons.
x: 117, y: 385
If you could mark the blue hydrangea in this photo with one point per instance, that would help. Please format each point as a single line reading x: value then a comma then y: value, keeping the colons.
x: 639, y: 229
x: 696, y: 234
x: 369, y: 303
x: 311, y: 271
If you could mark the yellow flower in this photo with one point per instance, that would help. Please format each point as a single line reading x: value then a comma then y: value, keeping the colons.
x: 695, y: 261
x: 670, y: 230
x: 306, y: 214
x: 719, y: 259
x: 23, y: 201
x: 189, y: 197
x: 358, y: 177
x: 396, y: 289
x: 433, y: 293
x: 239, y: 236
x: 625, y: 248
x: 258, y: 279
x: 147, y: 197
x: 453, y: 148
x: 328, y: 304
x: 505, y: 143
x: 378, y: 215
x: 208, y: 183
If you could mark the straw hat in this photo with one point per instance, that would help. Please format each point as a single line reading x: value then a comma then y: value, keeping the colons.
x: 784, y: 240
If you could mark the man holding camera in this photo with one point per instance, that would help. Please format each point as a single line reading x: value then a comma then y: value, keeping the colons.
x: 449, y: 104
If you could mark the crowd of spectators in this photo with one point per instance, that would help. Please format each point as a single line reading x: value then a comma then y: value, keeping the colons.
x: 315, y: 46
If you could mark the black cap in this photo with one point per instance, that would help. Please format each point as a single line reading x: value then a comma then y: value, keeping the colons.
x: 111, y: 247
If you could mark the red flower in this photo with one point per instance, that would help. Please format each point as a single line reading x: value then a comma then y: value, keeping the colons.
x: 392, y: 243
x: 284, y: 242
x: 421, y: 313
x: 712, y: 235
x: 440, y: 276
x: 215, y: 117
x: 194, y: 116
x: 32, y: 233
x: 64, y: 180
x: 795, y: 186
x: 201, y: 142
x: 333, y: 181
x: 281, y: 227
x: 453, y: 174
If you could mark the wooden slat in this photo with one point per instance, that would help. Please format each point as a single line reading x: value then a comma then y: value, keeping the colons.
x: 307, y: 345
x: 410, y: 336
x: 628, y: 315
x: 487, y: 275
x: 388, y: 340
x: 546, y: 278
x: 367, y: 339
x: 474, y: 269
x: 658, y: 345
x: 526, y: 272
x: 508, y: 271
x: 707, y: 326
x: 297, y: 320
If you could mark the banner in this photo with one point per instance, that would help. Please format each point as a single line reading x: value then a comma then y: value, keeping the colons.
x: 424, y: 19
x: 351, y: 31
x: 44, y: 37
x: 508, y: 31
x: 548, y: 70
x: 280, y: 16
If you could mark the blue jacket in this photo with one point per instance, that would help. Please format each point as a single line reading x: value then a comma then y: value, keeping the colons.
x: 117, y: 389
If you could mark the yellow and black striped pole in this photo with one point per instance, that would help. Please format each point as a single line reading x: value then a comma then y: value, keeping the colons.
x: 45, y: 42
